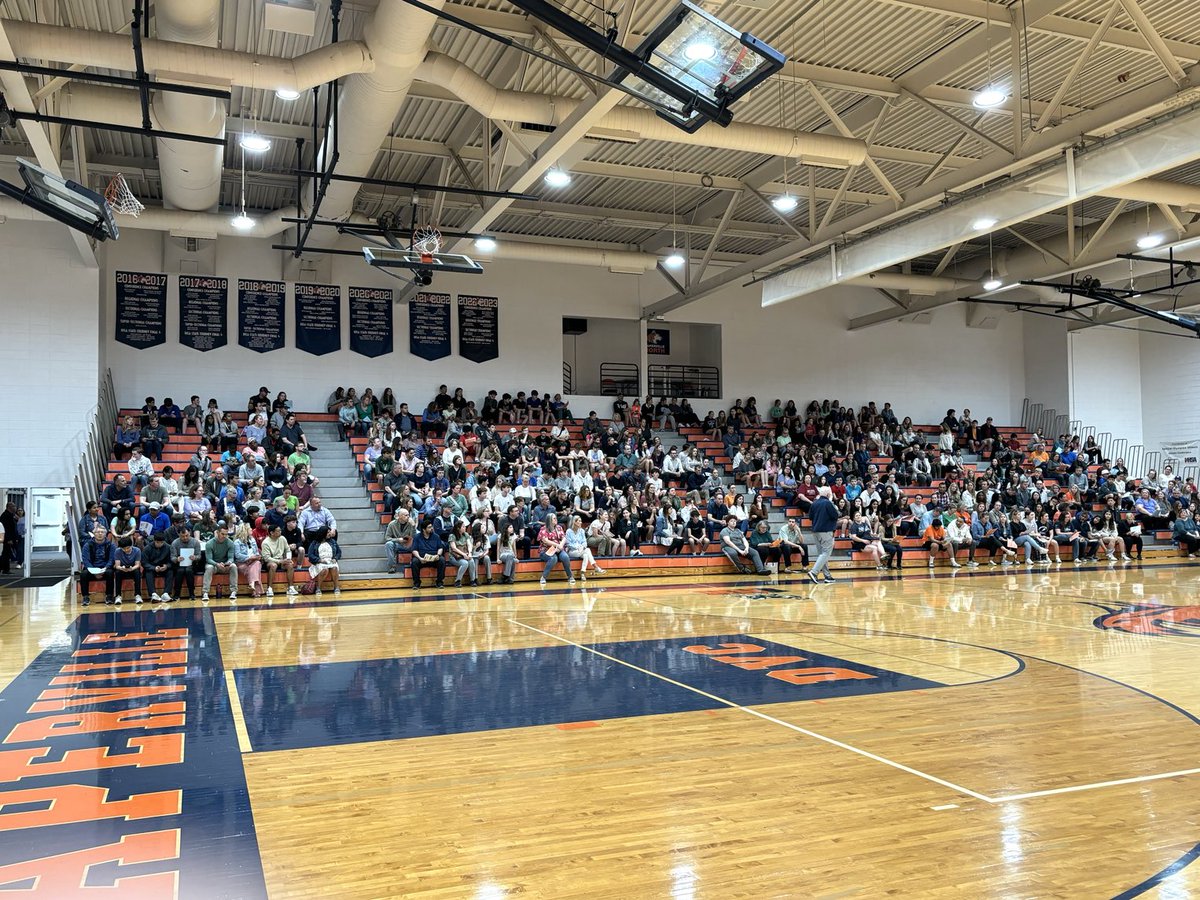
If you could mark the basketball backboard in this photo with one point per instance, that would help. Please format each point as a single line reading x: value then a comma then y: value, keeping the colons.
x: 63, y: 200
x: 390, y: 258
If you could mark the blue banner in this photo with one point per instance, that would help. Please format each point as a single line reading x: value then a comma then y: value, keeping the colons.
x: 371, y: 321
x: 141, y: 309
x: 318, y: 318
x: 478, y: 328
x: 203, y: 312
x: 429, y: 325
x: 260, y: 314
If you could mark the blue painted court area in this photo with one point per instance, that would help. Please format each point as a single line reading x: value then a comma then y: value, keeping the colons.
x: 292, y: 707
x: 132, y: 703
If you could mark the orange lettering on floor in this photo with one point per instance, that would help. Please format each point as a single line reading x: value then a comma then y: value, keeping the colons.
x: 814, y: 675
x: 702, y: 650
x: 148, y: 750
x: 64, y: 877
x: 148, y: 645
x: 759, y: 662
x: 150, y: 673
x: 111, y: 637
x: 56, y: 699
x: 73, y: 803
x: 157, y: 715
x: 149, y: 660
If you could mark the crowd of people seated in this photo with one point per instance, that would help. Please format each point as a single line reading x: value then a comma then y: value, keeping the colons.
x: 475, y: 487
x: 244, y: 505
x: 616, y: 486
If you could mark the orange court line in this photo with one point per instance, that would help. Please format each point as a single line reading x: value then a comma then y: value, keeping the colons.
x: 571, y: 726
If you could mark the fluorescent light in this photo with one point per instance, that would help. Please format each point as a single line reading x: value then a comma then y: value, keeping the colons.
x: 674, y: 259
x: 287, y: 94
x: 557, y: 178
x: 993, y: 283
x: 983, y: 223
x: 253, y: 142
x: 990, y: 97
x: 485, y: 244
x: 1149, y: 241
x: 785, y: 203
x: 699, y: 51
x: 242, y: 222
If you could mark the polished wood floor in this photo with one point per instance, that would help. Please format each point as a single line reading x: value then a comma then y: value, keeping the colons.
x: 533, y: 744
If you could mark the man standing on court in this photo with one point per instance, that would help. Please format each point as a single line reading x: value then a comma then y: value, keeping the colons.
x: 824, y: 517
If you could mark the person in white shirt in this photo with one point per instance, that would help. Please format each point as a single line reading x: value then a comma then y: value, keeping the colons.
x: 959, y: 535
x: 140, y: 469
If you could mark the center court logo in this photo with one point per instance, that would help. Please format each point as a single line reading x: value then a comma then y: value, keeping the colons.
x: 1150, y: 618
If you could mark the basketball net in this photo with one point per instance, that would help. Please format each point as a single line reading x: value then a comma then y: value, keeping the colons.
x: 121, y: 198
x: 427, y: 241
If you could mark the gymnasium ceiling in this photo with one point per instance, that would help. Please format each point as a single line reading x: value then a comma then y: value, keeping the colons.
x: 898, y: 74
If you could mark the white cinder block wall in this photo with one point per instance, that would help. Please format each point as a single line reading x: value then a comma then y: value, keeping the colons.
x: 797, y: 350
x: 1170, y: 388
x: 1106, y: 381
x: 50, y: 347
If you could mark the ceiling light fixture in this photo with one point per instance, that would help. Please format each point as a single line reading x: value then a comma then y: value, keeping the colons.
x: 557, y: 178
x: 675, y: 258
x: 990, y: 97
x: 785, y: 203
x: 993, y: 283
x: 287, y: 94
x: 241, y: 221
x: 1149, y: 241
x: 983, y: 223
x: 699, y: 51
x: 253, y: 142
x: 485, y: 244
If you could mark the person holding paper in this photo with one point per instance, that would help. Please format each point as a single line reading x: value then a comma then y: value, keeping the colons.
x: 98, y: 552
x: 186, y: 559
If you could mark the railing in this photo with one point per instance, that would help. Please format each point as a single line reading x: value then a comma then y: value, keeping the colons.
x: 620, y: 378
x: 96, y: 446
x: 684, y: 381
x: 568, y: 378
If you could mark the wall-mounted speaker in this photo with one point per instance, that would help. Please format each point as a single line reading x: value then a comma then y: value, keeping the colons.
x: 574, y: 327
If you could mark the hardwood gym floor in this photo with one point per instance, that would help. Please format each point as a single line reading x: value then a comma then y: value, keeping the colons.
x: 985, y: 734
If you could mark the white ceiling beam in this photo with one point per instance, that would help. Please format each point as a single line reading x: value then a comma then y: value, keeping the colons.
x: 1154, y: 39
x: 1136, y: 105
x: 1056, y: 25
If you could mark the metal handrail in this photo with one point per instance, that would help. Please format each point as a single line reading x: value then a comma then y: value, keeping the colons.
x: 568, y: 378
x: 620, y: 378
x: 672, y: 380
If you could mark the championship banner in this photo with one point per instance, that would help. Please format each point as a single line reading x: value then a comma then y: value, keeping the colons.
x: 429, y: 325
x: 478, y: 328
x: 141, y: 309
x: 658, y: 341
x: 203, y: 312
x: 318, y: 318
x: 260, y: 314
x: 371, y: 321
x: 1183, y: 452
